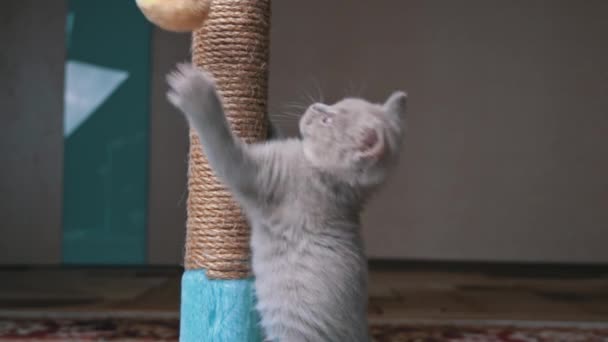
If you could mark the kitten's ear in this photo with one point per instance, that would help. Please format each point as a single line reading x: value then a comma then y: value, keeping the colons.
x: 396, y: 104
x: 371, y: 144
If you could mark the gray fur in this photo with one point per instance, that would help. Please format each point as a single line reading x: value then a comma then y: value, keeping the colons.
x: 303, y: 199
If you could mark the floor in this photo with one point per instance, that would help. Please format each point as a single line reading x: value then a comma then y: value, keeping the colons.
x: 397, y: 292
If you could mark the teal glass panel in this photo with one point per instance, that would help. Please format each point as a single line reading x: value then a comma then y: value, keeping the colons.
x: 106, y: 133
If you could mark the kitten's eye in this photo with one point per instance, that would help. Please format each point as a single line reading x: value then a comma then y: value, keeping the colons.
x: 326, y: 120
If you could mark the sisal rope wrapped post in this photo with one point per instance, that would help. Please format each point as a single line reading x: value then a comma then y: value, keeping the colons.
x: 217, y: 294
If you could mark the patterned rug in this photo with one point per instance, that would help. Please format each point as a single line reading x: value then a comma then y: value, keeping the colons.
x: 114, y: 329
x: 167, y: 330
x: 485, y: 333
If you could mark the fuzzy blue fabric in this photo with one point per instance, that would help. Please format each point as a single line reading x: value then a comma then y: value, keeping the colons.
x: 217, y: 310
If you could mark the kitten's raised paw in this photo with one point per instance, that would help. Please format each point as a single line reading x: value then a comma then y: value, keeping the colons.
x: 189, y: 87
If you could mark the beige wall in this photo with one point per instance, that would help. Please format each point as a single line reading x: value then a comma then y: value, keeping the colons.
x: 507, y: 152
x: 506, y: 156
x: 31, y: 144
x: 31, y: 121
x: 168, y: 155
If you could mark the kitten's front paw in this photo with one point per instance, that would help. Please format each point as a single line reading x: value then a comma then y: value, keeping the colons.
x: 190, y: 88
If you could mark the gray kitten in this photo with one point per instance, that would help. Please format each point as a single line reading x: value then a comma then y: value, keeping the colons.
x: 303, y: 199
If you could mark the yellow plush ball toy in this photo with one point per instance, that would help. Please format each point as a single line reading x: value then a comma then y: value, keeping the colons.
x: 175, y: 15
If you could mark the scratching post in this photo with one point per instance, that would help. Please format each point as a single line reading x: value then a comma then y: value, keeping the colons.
x: 217, y: 295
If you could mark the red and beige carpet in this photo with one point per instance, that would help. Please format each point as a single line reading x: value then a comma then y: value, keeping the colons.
x: 130, y: 329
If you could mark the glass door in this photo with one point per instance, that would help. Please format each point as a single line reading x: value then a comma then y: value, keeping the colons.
x: 106, y: 109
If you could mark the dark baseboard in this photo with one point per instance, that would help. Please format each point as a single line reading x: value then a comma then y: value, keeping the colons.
x: 496, y: 269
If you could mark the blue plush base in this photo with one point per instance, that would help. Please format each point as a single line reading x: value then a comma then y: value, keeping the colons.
x: 217, y: 310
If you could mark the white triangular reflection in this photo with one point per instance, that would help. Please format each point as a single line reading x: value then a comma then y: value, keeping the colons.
x: 87, y: 86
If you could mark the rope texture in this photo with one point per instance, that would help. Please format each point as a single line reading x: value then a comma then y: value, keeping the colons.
x: 233, y: 45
